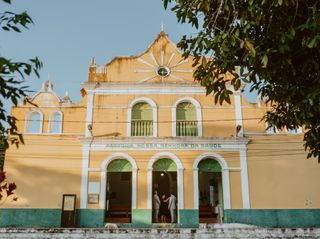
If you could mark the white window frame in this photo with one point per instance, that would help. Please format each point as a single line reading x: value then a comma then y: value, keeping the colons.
x: 60, y: 126
x: 154, y: 114
x: 197, y: 106
x: 29, y: 114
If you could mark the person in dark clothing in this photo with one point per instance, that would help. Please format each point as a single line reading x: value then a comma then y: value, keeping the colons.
x: 164, y: 211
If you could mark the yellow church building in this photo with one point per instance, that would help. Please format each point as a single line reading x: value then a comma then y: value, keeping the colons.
x: 144, y: 125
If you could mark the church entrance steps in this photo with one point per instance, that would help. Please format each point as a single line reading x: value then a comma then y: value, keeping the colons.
x: 203, y: 232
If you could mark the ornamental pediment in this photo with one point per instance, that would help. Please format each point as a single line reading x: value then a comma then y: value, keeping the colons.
x: 162, y: 62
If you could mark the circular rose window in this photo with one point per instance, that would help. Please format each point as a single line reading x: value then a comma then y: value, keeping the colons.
x: 163, y: 71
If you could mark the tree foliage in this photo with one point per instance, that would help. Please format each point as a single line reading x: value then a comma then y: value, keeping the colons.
x: 6, y: 189
x: 275, y: 44
x: 12, y: 76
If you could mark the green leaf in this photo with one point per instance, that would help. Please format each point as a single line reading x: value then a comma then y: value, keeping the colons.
x: 241, y: 44
x: 264, y: 60
x: 313, y: 42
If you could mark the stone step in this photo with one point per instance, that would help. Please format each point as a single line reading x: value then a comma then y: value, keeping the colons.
x: 217, y: 232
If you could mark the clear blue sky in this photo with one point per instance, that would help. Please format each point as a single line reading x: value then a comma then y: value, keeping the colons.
x: 67, y: 33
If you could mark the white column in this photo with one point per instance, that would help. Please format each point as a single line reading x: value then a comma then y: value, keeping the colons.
x: 149, y: 203
x: 199, y: 120
x: 196, y: 188
x: 129, y: 121
x: 238, y: 111
x: 134, y: 188
x: 174, y: 120
x: 226, y: 188
x: 103, y: 189
x: 89, y: 114
x: 244, y: 179
x: 180, y: 189
x: 84, y: 178
x: 155, y: 120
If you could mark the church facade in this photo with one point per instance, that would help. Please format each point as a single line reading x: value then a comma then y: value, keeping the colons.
x: 144, y: 125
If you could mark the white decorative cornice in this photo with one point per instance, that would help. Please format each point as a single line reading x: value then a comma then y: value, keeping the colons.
x: 149, y: 88
x: 178, y: 143
x: 131, y: 88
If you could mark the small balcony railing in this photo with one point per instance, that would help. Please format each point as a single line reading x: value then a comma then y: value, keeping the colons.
x: 187, y: 128
x: 141, y: 128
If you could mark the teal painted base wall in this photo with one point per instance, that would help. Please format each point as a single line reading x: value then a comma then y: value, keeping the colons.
x: 90, y: 218
x: 141, y: 217
x: 45, y: 217
x: 29, y: 217
x: 274, y: 217
x: 188, y: 218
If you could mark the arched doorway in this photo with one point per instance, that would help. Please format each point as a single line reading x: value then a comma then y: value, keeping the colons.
x: 210, y: 191
x: 118, y: 202
x: 164, y: 181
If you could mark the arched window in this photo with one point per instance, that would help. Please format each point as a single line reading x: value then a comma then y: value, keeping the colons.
x: 187, y: 124
x: 34, y: 123
x: 142, y: 120
x: 55, y: 125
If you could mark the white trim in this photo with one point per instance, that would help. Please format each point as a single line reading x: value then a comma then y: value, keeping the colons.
x: 154, y: 114
x: 122, y: 87
x: 238, y: 112
x: 154, y: 59
x: 84, y: 178
x: 104, y: 166
x: 225, y: 179
x: 133, y: 90
x: 198, y: 112
x: 61, y: 121
x: 168, y: 106
x: 125, y: 146
x: 29, y: 114
x: 50, y: 134
x: 89, y: 114
x: 50, y: 107
x: 244, y: 179
x: 180, y: 181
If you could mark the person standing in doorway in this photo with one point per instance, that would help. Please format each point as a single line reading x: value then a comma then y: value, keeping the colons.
x: 156, y: 206
x: 172, y: 207
x: 164, y: 211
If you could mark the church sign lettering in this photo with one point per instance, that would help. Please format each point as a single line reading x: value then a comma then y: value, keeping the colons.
x: 190, y: 146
